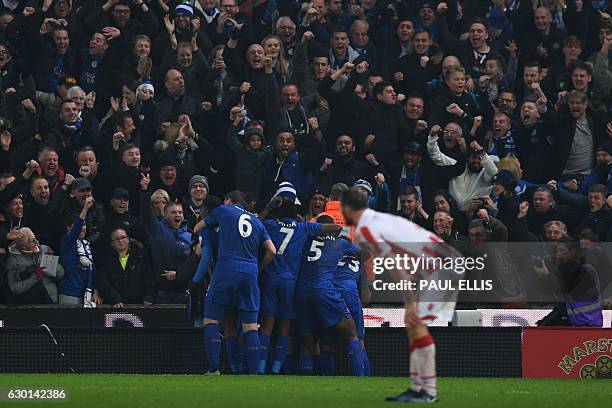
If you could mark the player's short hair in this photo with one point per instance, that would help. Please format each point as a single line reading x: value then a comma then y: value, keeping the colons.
x: 355, y: 199
x: 337, y: 190
x: 210, y: 203
x: 325, y: 219
x: 236, y: 197
x: 287, y: 209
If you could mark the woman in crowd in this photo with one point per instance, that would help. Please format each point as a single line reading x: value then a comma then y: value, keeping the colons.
x: 273, y: 48
x: 124, y: 276
x: 443, y: 201
x: 159, y: 199
x: 28, y: 282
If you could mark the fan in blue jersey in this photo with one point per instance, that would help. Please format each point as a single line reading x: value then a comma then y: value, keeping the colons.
x: 234, y: 288
x: 279, y: 277
x: 319, y: 306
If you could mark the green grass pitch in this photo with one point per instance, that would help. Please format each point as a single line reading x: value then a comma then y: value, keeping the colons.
x: 152, y: 391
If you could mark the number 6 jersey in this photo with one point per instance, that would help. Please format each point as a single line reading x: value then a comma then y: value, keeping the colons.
x: 241, y: 235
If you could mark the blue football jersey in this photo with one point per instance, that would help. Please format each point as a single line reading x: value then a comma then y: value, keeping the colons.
x: 289, y: 238
x: 240, y: 237
x: 349, y: 270
x: 320, y: 261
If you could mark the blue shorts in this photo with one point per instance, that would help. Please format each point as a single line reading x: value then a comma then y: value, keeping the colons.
x: 353, y: 303
x: 239, y: 291
x: 318, y: 309
x: 279, y: 301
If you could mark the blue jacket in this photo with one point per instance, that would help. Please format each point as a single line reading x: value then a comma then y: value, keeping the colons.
x: 76, y: 279
x: 297, y: 169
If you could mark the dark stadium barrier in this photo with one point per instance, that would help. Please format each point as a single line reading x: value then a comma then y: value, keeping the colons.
x: 99, y: 317
x: 461, y: 351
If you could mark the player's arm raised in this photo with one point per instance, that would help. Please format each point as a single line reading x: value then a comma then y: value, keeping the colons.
x: 199, y: 227
x: 274, y: 202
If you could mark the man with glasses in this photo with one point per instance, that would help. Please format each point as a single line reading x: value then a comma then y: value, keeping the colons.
x: 124, y: 276
x: 285, y: 29
x: 131, y: 17
x: 507, y: 103
x: 228, y: 23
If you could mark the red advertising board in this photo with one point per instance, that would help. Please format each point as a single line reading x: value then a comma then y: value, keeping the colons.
x: 558, y: 352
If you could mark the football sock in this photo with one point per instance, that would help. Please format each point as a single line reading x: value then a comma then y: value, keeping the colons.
x: 234, y: 355
x: 326, y: 363
x: 279, y: 353
x: 415, y: 380
x: 306, y: 365
x: 264, y: 344
x: 212, y: 345
x: 252, y: 350
x: 355, y: 356
x: 425, y: 354
x: 366, y: 364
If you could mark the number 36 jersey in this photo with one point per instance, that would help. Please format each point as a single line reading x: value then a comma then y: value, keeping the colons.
x: 241, y: 235
x: 289, y: 238
x: 320, y: 261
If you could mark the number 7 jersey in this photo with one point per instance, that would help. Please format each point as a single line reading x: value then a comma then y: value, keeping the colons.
x: 289, y: 238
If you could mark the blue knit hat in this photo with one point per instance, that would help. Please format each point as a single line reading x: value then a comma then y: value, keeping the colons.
x: 286, y: 189
x: 184, y: 8
x: 366, y: 185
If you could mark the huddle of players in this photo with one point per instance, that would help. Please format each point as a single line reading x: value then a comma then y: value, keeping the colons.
x: 310, y: 276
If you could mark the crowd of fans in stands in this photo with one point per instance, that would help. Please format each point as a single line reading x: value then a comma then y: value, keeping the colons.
x: 120, y: 120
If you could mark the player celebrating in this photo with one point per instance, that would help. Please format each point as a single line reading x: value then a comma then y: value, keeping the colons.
x: 349, y: 273
x: 318, y: 304
x: 279, y: 277
x: 234, y: 285
x: 383, y: 234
